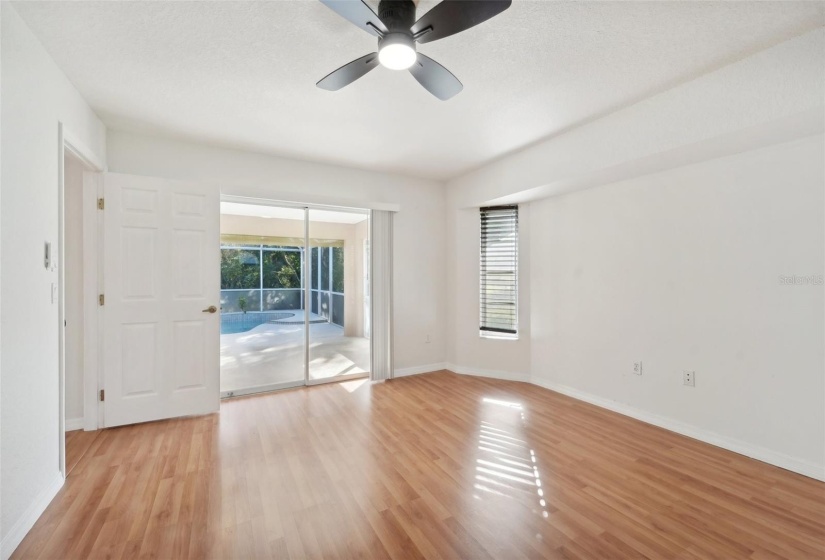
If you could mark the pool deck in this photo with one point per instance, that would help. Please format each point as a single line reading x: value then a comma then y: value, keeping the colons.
x: 273, y: 353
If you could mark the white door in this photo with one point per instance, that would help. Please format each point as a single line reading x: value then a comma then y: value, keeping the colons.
x: 161, y: 262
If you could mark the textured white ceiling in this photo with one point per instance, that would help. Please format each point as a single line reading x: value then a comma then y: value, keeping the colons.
x: 242, y: 74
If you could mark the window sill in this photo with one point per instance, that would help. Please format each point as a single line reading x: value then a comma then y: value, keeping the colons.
x: 497, y: 336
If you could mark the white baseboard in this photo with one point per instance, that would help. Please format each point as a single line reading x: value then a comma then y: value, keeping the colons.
x: 26, y: 521
x: 415, y: 370
x: 737, y: 446
x: 492, y: 373
x: 74, y: 424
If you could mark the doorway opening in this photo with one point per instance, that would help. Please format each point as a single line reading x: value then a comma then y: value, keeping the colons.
x: 75, y: 192
x: 294, y: 296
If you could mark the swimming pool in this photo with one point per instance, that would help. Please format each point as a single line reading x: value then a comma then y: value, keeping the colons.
x: 234, y: 323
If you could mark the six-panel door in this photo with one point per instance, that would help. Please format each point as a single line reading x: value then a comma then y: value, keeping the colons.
x: 161, y: 349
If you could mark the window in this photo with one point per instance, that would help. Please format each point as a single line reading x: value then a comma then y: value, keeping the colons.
x: 261, y: 273
x: 499, y: 272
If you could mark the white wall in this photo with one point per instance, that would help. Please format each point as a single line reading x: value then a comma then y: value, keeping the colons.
x: 773, y: 96
x: 682, y: 270
x: 35, y: 95
x: 469, y: 352
x: 73, y: 243
x: 729, y: 163
x: 419, y: 225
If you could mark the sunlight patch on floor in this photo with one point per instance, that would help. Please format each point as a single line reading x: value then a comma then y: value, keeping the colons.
x: 507, y: 465
x: 354, y: 385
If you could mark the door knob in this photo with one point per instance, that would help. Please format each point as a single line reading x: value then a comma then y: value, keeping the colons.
x: 210, y: 309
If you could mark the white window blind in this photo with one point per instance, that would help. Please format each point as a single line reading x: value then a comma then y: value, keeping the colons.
x: 499, y: 270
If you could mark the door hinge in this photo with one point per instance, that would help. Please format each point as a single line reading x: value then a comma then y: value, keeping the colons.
x: 102, y: 395
x: 101, y: 299
x: 100, y: 204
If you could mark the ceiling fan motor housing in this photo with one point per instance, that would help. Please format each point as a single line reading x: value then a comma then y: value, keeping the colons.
x: 398, y: 16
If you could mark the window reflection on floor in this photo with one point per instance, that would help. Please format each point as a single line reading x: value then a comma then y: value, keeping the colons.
x: 506, y: 467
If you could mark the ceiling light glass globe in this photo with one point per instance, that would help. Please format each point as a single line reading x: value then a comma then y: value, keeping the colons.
x: 396, y: 56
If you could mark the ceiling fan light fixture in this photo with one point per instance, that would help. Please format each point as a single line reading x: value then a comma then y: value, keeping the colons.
x: 398, y: 31
x: 396, y: 51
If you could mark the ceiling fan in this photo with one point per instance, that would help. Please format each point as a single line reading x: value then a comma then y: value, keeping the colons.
x: 398, y: 32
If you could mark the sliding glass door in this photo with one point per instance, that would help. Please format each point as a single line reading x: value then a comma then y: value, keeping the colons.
x: 262, y: 315
x: 294, y: 297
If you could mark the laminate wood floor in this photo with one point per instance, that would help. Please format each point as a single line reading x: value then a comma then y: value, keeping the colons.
x: 429, y: 466
x: 78, y: 443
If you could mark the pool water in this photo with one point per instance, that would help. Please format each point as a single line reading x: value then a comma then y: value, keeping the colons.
x: 235, y: 323
x: 239, y: 326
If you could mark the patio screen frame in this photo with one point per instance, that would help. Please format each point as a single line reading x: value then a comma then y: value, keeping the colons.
x: 261, y: 248
x: 317, y: 293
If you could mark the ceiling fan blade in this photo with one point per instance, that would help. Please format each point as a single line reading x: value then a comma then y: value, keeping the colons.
x: 359, y: 13
x: 348, y: 73
x: 454, y: 16
x: 435, y: 78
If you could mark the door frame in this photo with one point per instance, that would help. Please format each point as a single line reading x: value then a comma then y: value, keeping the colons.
x: 306, y: 207
x: 68, y: 141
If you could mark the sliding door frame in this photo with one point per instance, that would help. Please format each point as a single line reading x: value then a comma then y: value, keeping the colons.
x: 306, y: 281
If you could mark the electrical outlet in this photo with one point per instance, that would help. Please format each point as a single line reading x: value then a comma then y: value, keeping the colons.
x: 689, y: 378
x: 427, y: 340
x: 637, y: 368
